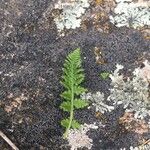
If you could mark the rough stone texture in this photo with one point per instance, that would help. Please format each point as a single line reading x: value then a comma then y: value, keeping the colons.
x: 31, y: 58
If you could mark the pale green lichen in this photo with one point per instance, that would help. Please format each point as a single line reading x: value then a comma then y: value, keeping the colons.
x: 98, y: 101
x: 70, y: 18
x: 133, y: 94
x: 131, y: 14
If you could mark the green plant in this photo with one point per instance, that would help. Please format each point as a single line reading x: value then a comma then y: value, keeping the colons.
x: 104, y: 75
x: 72, y: 78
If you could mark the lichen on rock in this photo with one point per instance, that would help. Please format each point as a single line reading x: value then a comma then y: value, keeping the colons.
x: 133, y: 93
x: 79, y: 138
x: 131, y: 14
x: 70, y: 18
x: 98, y: 101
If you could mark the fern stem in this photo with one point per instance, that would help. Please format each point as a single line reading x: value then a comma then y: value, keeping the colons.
x: 72, y: 107
x: 70, y: 122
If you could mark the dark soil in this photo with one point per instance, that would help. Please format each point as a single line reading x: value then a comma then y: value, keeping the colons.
x: 31, y: 58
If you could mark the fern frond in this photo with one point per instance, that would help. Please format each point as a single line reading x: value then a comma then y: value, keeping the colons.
x: 72, y: 78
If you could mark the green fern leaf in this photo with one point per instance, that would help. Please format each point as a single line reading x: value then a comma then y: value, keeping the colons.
x: 66, y: 95
x: 65, y: 122
x: 79, y: 79
x: 75, y: 124
x: 71, y: 79
x: 104, y: 75
x: 79, y: 90
x: 79, y: 103
x: 66, y: 106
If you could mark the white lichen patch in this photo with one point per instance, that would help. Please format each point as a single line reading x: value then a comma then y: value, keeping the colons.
x: 98, y: 101
x: 70, y: 17
x: 133, y: 94
x: 144, y: 72
x: 79, y: 138
x: 142, y: 147
x: 131, y: 14
x: 145, y: 146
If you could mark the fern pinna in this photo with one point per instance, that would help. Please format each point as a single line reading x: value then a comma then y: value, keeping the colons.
x: 72, y: 78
